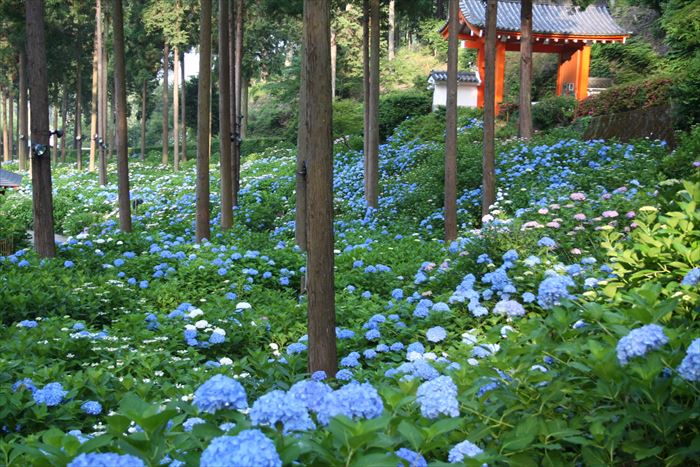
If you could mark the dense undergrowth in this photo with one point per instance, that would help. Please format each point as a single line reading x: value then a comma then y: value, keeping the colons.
x: 563, y: 332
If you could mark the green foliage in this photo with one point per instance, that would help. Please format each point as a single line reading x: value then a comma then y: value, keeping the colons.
x: 681, y: 22
x: 684, y: 92
x: 679, y: 164
x: 638, y: 95
x: 628, y: 62
x: 395, y: 107
x: 553, y: 111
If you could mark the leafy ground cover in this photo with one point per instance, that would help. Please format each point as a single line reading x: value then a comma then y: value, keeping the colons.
x: 564, y: 331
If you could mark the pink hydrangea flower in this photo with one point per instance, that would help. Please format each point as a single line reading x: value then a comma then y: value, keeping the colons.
x: 606, y: 196
x: 575, y: 251
x: 631, y: 215
x: 580, y: 216
x: 542, y: 211
x: 554, y: 206
x: 610, y: 214
x: 553, y: 224
x: 578, y: 196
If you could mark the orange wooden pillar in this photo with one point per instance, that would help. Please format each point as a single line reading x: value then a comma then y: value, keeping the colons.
x: 572, y: 76
x: 481, y: 66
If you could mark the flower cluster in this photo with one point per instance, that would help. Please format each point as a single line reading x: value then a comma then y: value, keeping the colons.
x: 639, y: 341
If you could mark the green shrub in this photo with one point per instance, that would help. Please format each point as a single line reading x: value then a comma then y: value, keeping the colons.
x: 395, y: 107
x: 261, y: 144
x: 633, y: 96
x: 551, y: 112
x: 679, y: 164
x: 685, y: 95
x: 348, y: 118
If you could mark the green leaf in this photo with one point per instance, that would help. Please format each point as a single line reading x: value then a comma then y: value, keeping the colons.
x: 443, y: 426
x: 412, y: 434
x: 377, y: 459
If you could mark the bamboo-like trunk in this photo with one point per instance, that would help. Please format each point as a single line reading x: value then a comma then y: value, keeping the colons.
x: 176, y: 109
x: 203, y: 127
x: 166, y: 68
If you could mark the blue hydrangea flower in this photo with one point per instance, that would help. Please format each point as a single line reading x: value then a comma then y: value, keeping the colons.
x: 510, y: 308
x: 552, y: 290
x: 441, y: 307
x: 344, y: 333
x: 692, y: 277
x: 220, y: 392
x: 295, y: 348
x: 278, y: 407
x: 51, y: 395
x: 106, y: 459
x: 546, y: 242
x: 319, y: 375
x: 351, y: 361
x: 91, y: 408
x: 249, y: 447
x: 354, y: 400
x: 217, y: 337
x: 639, y: 341
x: 396, y: 347
x: 25, y: 383
x: 529, y: 297
x: 369, y: 354
x: 413, y: 458
x: 436, y: 334
x: 438, y: 397
x: 464, y: 449
x: 68, y: 264
x: 188, y: 424
x: 28, y: 323
x: 310, y: 393
x: 689, y: 368
x: 372, y: 335
x: 343, y: 375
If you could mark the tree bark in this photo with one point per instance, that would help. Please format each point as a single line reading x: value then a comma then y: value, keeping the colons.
x: 102, y: 98
x: 300, y: 218
x: 225, y: 120
x: 489, y: 159
x: 166, y: 68
x: 392, y: 29
x: 372, y: 192
x: 315, y: 134
x: 365, y: 87
x: 233, y: 121
x: 42, y: 196
x: 22, y: 111
x: 11, y: 120
x: 183, y: 110
x: 334, y: 61
x: 238, y: 70
x: 54, y: 144
x: 5, y: 131
x: 176, y: 109
x: 203, y: 127
x: 451, y: 128
x: 121, y: 133
x: 94, y: 97
x: 440, y: 11
x: 525, y: 104
x: 78, y: 141
x: 64, y: 115
x: 245, y: 87
x: 144, y: 96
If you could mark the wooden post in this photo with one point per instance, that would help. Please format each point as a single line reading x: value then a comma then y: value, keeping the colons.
x: 490, y: 84
x: 451, y: 127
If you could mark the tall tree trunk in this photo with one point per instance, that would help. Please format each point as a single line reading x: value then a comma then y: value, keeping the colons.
x: 64, y: 116
x: 54, y: 144
x: 365, y: 88
x: 22, y: 111
x: 440, y: 11
x: 183, y: 110
x: 315, y: 135
x: 225, y: 120
x: 392, y: 28
x: 245, y: 87
x: 78, y: 121
x: 166, y: 68
x: 102, y: 99
x: 372, y: 192
x: 176, y: 109
x: 238, y: 70
x: 144, y: 96
x: 203, y: 128
x: 451, y: 127
x: 5, y: 130
x: 301, y: 216
x: 11, y: 121
x: 42, y: 196
x: 121, y: 133
x: 525, y: 104
x: 334, y: 61
x: 489, y: 159
x: 94, y: 97
x: 233, y: 121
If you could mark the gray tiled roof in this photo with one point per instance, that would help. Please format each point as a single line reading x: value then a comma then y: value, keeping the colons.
x: 9, y: 179
x: 462, y: 76
x: 547, y: 18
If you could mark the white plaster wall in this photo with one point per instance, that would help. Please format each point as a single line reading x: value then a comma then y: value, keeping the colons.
x: 466, y: 95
